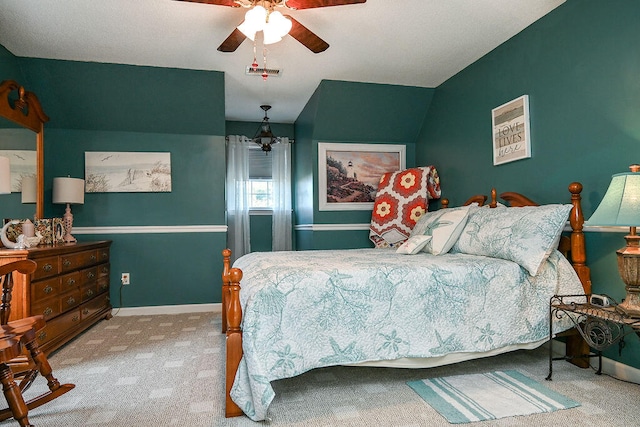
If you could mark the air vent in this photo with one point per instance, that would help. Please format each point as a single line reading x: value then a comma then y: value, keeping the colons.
x: 272, y: 72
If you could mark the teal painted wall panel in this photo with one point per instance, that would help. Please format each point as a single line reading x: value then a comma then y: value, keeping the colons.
x: 10, y: 68
x: 579, y: 65
x: 260, y: 233
x: 353, y: 111
x: 165, y: 269
x: 349, y: 239
x: 197, y: 174
x: 90, y: 95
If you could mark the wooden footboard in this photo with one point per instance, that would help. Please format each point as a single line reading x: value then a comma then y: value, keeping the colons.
x: 573, y: 247
x: 231, y: 320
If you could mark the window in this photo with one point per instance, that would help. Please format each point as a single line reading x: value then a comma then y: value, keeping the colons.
x: 260, y: 180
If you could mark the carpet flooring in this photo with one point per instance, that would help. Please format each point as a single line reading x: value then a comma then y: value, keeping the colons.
x: 167, y: 370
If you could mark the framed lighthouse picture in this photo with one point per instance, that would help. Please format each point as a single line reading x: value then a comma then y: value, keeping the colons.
x: 348, y: 174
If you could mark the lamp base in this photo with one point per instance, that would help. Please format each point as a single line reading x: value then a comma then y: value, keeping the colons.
x: 68, y: 225
x: 629, y: 269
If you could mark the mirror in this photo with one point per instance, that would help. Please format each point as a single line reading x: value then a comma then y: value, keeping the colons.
x: 22, y: 130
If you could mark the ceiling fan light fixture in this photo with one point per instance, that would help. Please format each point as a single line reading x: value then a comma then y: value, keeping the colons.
x: 254, y: 20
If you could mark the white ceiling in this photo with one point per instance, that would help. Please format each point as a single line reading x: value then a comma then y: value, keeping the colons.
x: 404, y: 42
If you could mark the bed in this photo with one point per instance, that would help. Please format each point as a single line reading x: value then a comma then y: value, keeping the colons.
x: 308, y: 309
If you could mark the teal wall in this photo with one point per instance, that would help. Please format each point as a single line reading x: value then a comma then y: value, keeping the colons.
x: 580, y: 66
x: 9, y: 66
x: 110, y: 107
x: 349, y: 112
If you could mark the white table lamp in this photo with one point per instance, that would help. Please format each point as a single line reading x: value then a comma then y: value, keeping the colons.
x: 5, y: 176
x: 68, y: 191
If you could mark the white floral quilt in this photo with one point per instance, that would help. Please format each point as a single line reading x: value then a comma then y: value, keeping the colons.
x: 308, y: 309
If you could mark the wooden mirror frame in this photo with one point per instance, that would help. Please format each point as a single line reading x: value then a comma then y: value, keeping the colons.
x: 27, y: 112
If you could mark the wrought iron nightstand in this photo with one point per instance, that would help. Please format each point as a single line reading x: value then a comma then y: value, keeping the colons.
x: 601, y: 327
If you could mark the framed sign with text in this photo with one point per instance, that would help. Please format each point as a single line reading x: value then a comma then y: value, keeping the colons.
x: 511, y: 132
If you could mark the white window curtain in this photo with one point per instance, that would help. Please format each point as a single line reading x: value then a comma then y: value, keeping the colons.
x: 281, y: 176
x: 237, y: 197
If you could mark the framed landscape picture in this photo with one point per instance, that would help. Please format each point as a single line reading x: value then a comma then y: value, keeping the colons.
x: 348, y: 174
x: 511, y: 131
x: 127, y: 172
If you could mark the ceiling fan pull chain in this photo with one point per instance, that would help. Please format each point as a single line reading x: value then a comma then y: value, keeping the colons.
x: 264, y: 70
x: 254, y: 64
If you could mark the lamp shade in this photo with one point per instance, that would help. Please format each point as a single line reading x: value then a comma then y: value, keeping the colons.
x: 621, y: 203
x: 28, y: 189
x: 5, y: 176
x: 68, y: 190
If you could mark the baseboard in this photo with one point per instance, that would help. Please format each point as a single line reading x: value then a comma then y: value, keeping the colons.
x: 609, y: 366
x: 168, y: 309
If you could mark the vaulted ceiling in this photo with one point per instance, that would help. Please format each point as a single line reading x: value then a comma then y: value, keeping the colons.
x: 404, y: 42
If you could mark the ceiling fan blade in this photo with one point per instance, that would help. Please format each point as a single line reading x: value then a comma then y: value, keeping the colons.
x: 230, y: 3
x: 304, y: 35
x: 310, y: 4
x: 232, y: 42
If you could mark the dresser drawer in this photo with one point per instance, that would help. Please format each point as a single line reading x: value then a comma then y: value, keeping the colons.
x: 104, y: 270
x: 103, y: 284
x: 70, y: 282
x: 78, y: 260
x: 44, y: 289
x: 48, y: 308
x: 47, y: 267
x: 88, y: 291
x: 103, y: 254
x: 59, y: 326
x: 95, y: 305
x: 88, y: 275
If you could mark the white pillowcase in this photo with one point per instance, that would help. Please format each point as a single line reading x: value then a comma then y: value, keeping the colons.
x: 444, y: 225
x: 413, y: 245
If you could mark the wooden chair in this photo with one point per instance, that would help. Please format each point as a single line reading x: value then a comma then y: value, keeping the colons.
x: 24, y: 331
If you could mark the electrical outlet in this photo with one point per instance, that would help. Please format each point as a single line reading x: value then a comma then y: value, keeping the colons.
x: 125, y: 278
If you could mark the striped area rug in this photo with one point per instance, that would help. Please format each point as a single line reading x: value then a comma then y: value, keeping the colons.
x: 480, y: 397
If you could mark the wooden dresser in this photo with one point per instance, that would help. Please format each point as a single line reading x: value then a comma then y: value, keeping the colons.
x: 70, y: 288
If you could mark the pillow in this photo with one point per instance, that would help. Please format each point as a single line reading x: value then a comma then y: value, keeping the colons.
x: 444, y: 225
x: 525, y: 235
x: 401, y: 200
x: 413, y: 244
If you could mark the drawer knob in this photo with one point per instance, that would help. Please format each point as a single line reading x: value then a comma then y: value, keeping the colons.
x: 48, y: 290
x: 71, y: 282
x: 47, y: 311
x: 47, y: 267
x: 91, y: 275
x: 71, y: 301
x: 93, y: 258
x: 85, y: 311
x: 75, y: 318
x: 105, y: 255
x: 42, y: 335
x: 89, y: 292
x: 66, y: 263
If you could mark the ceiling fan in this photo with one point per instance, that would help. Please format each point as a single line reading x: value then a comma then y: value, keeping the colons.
x: 298, y: 31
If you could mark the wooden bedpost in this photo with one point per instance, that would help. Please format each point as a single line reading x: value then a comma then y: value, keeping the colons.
x: 234, y: 339
x: 226, y: 265
x: 578, y: 247
x: 576, y: 345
